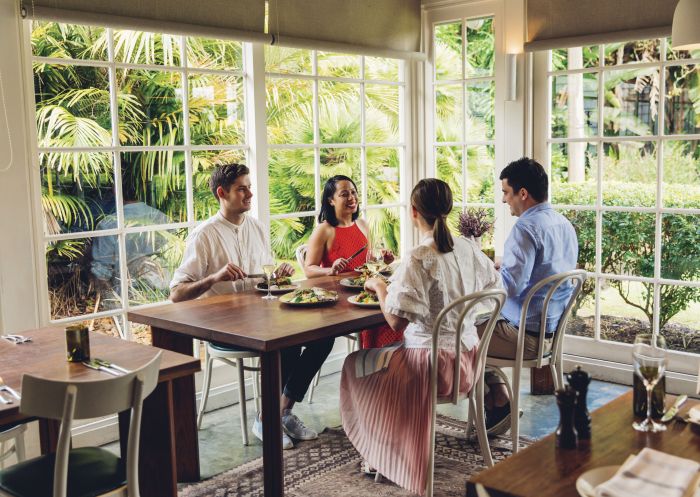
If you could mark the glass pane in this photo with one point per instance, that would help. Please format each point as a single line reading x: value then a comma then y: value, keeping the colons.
x: 141, y: 333
x: 481, y: 103
x: 338, y: 65
x: 449, y: 123
x: 629, y: 174
x: 574, y: 105
x: 680, y: 54
x: 153, y: 188
x: 448, y: 51
x: 72, y: 106
x: 83, y: 276
x: 76, y: 191
x: 150, y: 107
x: 203, y: 162
x: 625, y: 310
x: 384, y: 227
x: 141, y: 47
x: 344, y: 161
x: 217, y: 114
x: 682, y: 174
x: 481, y: 167
x: 573, y: 173
x: 680, y: 247
x: 68, y: 41
x: 290, y: 112
x: 575, y: 58
x: 632, y: 51
x: 214, y: 54
x: 448, y: 162
x: 287, y: 60
x: 383, y: 175
x: 628, y: 244
x: 582, y: 319
x: 680, y: 318
x: 480, y: 47
x: 632, y: 105
x: 682, y: 98
x: 152, y: 257
x: 382, y: 68
x: 291, y: 176
x: 382, y: 113
x: 286, y: 235
x: 339, y: 112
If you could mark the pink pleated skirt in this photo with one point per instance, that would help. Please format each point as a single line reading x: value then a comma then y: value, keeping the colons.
x: 386, y: 415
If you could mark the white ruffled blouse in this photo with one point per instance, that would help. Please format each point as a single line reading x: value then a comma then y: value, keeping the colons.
x: 427, y: 280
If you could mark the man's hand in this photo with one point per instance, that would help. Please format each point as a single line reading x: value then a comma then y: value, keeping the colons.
x: 230, y: 272
x: 375, y: 284
x: 284, y: 269
x: 339, y: 266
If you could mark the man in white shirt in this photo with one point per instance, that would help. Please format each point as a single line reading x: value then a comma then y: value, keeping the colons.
x: 220, y: 253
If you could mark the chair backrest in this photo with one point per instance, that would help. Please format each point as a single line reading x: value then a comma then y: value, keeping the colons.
x: 67, y: 401
x: 578, y: 277
x: 300, y: 252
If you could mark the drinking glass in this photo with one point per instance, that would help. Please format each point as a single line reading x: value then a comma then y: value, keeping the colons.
x: 374, y: 260
x: 269, y: 270
x: 649, y: 358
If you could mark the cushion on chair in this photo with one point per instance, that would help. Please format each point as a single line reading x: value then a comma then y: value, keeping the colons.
x: 225, y: 347
x: 91, y: 472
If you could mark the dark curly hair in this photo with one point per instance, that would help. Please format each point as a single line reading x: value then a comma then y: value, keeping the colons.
x: 225, y: 175
x: 327, y: 210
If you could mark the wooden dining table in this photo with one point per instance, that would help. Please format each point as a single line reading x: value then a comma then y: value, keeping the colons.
x: 265, y: 326
x: 543, y: 470
x: 169, y: 450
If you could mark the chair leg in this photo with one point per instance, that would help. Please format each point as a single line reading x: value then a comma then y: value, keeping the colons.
x: 256, y: 390
x: 557, y: 378
x: 242, y: 401
x: 19, y: 446
x: 477, y: 405
x: 349, y: 344
x: 205, y: 390
x: 314, y: 384
x: 515, y: 411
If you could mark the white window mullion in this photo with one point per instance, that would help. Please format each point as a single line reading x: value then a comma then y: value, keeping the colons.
x: 661, y: 119
x: 317, y: 134
x: 189, y: 194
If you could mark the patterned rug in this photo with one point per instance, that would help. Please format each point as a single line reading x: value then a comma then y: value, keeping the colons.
x: 329, y: 467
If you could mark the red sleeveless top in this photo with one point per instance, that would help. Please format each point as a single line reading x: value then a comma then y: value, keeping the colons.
x: 348, y: 240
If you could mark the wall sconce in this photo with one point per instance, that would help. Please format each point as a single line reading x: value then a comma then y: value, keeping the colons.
x: 685, y: 34
x: 511, y: 77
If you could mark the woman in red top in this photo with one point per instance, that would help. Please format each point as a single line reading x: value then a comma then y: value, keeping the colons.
x: 340, y: 234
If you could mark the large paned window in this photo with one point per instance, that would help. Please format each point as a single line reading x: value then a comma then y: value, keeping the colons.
x: 464, y: 110
x: 129, y: 126
x: 330, y: 114
x: 622, y: 142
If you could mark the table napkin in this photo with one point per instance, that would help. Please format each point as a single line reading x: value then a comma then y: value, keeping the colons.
x: 651, y: 473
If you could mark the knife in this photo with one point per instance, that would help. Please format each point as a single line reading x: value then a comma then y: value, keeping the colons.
x: 357, y: 253
x: 673, y: 410
x: 11, y: 391
x: 93, y: 365
x: 110, y: 365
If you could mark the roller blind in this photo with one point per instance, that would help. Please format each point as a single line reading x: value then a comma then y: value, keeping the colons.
x: 237, y: 19
x: 572, y: 23
x: 388, y: 28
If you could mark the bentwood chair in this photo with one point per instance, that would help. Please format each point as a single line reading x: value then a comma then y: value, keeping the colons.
x: 16, y: 435
x: 475, y: 397
x: 87, y: 471
x: 228, y: 354
x: 553, y: 358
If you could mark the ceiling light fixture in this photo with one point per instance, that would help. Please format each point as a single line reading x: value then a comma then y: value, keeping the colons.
x: 685, y: 34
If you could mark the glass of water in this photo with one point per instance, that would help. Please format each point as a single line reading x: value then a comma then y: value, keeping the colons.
x: 649, y: 358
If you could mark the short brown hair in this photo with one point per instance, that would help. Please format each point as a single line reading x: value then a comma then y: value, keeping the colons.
x: 225, y: 175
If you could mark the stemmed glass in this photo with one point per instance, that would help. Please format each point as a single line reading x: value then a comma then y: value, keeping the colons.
x: 374, y: 260
x: 649, y: 357
x: 269, y: 270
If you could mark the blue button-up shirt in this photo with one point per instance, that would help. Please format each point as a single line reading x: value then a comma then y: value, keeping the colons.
x: 541, y: 243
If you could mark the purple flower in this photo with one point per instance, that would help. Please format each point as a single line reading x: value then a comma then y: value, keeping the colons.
x: 475, y: 222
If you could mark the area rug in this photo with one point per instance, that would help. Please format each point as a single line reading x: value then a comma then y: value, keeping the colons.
x: 329, y: 467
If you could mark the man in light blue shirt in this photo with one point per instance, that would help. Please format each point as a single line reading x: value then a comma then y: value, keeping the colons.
x: 542, y: 243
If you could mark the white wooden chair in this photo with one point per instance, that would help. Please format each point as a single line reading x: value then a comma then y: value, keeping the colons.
x: 475, y: 397
x: 16, y: 435
x: 553, y: 358
x: 353, y: 340
x: 236, y: 358
x: 87, y: 471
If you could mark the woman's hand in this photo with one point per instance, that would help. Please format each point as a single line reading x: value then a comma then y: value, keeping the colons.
x: 339, y: 266
x: 285, y: 269
x: 375, y: 284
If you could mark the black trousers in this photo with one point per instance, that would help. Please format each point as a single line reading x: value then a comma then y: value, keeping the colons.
x: 300, y: 364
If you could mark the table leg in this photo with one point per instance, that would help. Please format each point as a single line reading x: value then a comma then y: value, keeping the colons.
x: 48, y: 435
x: 541, y: 382
x: 170, y: 340
x: 186, y: 437
x: 273, y: 468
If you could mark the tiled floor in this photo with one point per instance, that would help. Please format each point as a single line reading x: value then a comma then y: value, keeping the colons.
x: 221, y: 446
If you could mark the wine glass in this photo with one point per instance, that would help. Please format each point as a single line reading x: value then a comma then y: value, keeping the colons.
x: 269, y: 270
x: 374, y: 260
x: 649, y: 358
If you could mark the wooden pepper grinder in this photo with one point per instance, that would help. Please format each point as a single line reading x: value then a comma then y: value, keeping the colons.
x: 579, y: 381
x: 566, y: 432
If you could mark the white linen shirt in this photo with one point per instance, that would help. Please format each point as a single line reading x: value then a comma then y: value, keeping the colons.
x: 215, y: 243
x: 428, y: 280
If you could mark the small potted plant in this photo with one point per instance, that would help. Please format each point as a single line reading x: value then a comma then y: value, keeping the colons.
x: 474, y: 223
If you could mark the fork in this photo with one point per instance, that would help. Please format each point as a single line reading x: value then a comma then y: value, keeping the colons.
x: 9, y: 390
x: 17, y: 339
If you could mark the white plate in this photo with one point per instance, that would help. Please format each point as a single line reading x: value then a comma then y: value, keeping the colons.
x: 277, y: 289
x: 586, y: 483
x: 328, y: 296
x: 353, y: 300
x: 694, y: 415
x: 347, y: 283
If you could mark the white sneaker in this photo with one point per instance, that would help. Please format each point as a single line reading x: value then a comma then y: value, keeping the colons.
x: 295, y: 428
x: 257, y: 431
